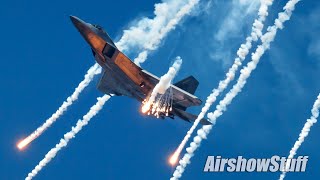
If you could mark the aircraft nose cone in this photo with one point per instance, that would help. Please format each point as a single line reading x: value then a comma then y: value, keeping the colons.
x: 74, y: 19
x: 89, y: 34
x: 78, y: 23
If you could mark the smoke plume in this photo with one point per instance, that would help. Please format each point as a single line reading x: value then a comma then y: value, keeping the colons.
x: 148, y: 33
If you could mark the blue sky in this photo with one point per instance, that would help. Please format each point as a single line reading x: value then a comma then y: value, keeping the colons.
x: 44, y: 58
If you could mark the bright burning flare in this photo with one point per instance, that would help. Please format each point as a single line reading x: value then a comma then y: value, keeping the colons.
x: 161, y: 106
x: 22, y: 144
x: 174, y: 158
x: 146, y: 107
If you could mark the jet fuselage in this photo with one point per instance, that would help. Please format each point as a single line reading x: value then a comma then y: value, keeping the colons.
x: 121, y: 76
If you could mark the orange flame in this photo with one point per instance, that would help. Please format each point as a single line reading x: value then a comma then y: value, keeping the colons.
x: 145, y: 108
x: 22, y: 144
x: 174, y: 158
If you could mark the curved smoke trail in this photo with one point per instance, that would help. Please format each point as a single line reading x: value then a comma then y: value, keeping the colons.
x: 303, y: 134
x: 159, y: 32
x: 69, y: 135
x: 266, y: 39
x: 242, y: 53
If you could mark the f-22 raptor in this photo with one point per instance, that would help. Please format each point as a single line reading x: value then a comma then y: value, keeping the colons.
x: 122, y: 77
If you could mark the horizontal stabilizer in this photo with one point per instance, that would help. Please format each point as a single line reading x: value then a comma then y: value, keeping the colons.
x: 109, y: 85
x: 188, y: 84
x: 190, y: 117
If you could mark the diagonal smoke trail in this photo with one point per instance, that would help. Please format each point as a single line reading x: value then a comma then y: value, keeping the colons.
x: 242, y: 53
x: 303, y: 134
x: 167, y: 16
x: 266, y: 39
x: 93, y: 70
x: 68, y: 136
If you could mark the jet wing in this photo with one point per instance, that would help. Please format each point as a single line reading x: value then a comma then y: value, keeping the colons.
x: 108, y: 85
x: 181, y: 98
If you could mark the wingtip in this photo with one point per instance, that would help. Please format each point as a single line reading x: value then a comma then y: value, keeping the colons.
x: 205, y: 122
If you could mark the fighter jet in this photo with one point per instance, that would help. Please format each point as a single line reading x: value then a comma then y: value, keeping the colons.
x: 122, y: 77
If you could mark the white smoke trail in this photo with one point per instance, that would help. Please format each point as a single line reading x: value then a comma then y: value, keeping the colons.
x: 165, y: 80
x: 266, y: 39
x: 145, y: 29
x: 93, y: 70
x: 168, y: 15
x: 242, y: 53
x: 303, y: 134
x: 69, y: 135
x: 154, y: 43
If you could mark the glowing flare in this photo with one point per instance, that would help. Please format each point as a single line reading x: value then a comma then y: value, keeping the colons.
x: 161, y: 106
x: 22, y: 144
x: 174, y: 158
x: 145, y: 108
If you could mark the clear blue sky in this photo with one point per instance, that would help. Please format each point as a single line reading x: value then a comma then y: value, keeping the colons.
x: 43, y: 58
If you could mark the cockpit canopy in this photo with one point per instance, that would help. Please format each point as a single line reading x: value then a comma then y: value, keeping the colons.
x: 104, y: 34
x: 98, y: 27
